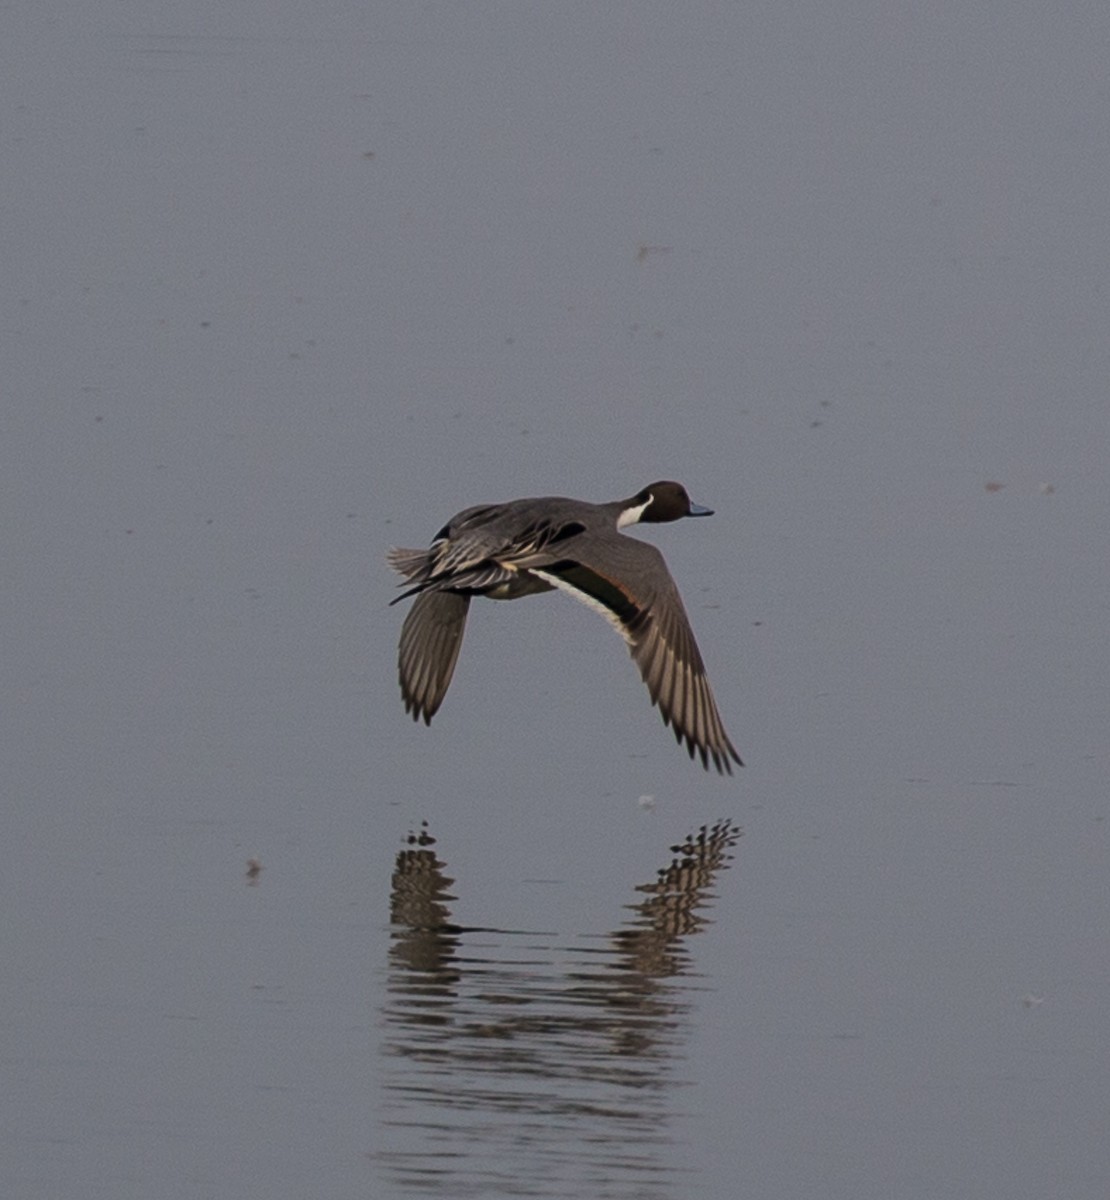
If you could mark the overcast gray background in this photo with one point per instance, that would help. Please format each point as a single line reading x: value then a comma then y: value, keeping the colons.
x: 286, y: 284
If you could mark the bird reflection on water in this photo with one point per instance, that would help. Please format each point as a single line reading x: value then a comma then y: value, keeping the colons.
x: 522, y: 1066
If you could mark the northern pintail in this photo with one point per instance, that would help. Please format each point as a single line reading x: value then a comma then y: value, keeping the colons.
x: 505, y: 551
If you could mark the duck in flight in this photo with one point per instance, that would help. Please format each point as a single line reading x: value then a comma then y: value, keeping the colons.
x: 505, y: 551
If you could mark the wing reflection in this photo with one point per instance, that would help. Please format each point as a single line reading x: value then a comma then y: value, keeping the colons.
x: 524, y: 1067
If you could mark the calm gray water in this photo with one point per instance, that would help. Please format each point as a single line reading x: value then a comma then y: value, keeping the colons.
x: 286, y: 285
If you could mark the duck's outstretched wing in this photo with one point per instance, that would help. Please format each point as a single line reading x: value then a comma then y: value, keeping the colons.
x: 650, y: 616
x: 430, y: 639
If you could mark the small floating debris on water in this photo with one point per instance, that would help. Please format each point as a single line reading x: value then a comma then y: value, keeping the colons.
x: 647, y: 803
x: 254, y: 870
x: 1032, y: 1001
x: 422, y: 837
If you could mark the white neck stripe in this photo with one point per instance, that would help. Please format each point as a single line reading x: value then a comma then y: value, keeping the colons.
x: 631, y: 515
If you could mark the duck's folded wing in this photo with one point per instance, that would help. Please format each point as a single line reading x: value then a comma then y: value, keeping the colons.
x: 628, y: 582
x: 430, y: 639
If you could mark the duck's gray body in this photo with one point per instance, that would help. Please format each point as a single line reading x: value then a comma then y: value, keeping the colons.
x: 504, y: 551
